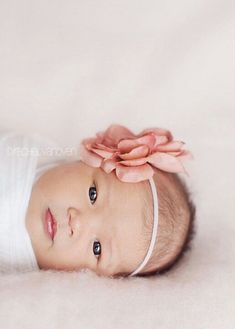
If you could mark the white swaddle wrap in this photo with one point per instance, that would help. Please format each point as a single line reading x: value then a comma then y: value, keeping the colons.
x: 22, y: 160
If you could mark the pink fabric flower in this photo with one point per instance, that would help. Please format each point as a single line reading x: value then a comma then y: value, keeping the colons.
x: 132, y: 156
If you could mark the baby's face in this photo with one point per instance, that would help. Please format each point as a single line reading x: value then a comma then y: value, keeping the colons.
x: 99, y: 220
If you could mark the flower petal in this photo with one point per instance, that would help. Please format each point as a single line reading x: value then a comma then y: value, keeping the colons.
x: 104, y: 154
x: 134, y: 162
x: 166, y: 162
x: 175, y: 154
x: 88, y: 142
x: 106, y: 148
x: 134, y: 174
x: 157, y: 132
x: 114, y: 133
x: 172, y: 146
x: 118, y: 148
x: 186, y: 155
x: 160, y: 140
x: 137, y: 152
x: 89, y: 157
x: 108, y: 165
x: 126, y: 145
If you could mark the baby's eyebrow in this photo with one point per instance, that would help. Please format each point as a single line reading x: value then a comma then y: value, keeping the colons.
x: 109, y: 262
x: 104, y: 188
x: 107, y: 196
x: 106, y: 184
x: 106, y: 257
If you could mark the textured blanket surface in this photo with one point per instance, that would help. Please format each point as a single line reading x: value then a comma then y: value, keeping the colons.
x: 71, y: 68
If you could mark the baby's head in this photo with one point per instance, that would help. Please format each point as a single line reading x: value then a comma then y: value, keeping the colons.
x: 104, y: 224
x: 99, y: 220
x: 176, y: 222
x: 120, y: 209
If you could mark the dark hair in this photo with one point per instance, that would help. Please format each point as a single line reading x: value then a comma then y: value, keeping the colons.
x: 170, y: 211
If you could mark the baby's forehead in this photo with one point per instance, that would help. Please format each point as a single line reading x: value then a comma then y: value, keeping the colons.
x: 128, y: 193
x: 128, y: 224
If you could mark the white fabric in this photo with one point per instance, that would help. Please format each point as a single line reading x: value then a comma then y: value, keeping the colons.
x: 70, y: 68
x: 21, y: 164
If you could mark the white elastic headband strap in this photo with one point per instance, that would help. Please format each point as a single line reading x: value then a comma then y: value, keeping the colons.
x: 155, y: 227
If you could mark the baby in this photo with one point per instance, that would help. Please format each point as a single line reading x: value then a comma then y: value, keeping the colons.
x: 119, y: 210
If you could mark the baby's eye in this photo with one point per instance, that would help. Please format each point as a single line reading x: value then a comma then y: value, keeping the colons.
x: 97, y: 248
x: 93, y: 194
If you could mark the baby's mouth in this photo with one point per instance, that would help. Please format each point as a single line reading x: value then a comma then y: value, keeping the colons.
x: 50, y: 224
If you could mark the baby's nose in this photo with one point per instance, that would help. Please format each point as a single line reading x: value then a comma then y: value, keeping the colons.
x: 74, y: 220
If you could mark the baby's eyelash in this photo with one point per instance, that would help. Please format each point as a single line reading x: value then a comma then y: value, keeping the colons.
x: 97, y: 249
x: 91, y: 195
x: 97, y: 187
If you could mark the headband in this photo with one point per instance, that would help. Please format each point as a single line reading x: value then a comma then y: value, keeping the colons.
x: 134, y: 158
x: 154, y: 230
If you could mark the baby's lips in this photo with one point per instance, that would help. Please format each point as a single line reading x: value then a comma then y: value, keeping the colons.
x: 50, y: 224
x: 54, y: 223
